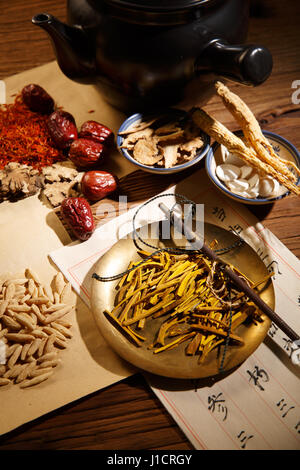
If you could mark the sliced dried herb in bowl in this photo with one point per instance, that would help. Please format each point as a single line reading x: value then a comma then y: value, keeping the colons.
x: 164, y: 141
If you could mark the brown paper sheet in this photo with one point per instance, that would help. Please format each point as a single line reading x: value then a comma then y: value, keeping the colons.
x: 29, y: 230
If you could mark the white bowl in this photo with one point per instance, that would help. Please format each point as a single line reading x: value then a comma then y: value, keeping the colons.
x: 282, y: 147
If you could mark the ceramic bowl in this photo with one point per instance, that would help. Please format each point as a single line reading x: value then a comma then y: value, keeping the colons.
x: 282, y: 147
x: 177, y: 113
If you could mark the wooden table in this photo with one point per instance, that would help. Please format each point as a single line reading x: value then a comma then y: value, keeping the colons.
x: 127, y: 415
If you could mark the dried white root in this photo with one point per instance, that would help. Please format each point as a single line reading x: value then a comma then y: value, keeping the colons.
x: 244, y: 180
x: 253, y: 133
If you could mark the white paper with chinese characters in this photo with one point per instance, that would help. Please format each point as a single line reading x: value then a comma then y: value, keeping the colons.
x: 257, y: 406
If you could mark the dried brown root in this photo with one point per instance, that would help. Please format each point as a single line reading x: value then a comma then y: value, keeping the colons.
x: 252, y: 131
x: 236, y: 146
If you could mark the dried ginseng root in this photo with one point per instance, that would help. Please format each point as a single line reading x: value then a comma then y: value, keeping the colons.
x: 235, y: 145
x: 34, y: 327
x: 197, y: 304
x: 253, y: 133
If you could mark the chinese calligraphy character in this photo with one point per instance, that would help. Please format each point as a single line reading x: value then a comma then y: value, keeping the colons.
x: 297, y: 427
x: 260, y: 253
x: 282, y: 405
x: 273, y: 330
x: 270, y: 267
x: 237, y: 229
x: 220, y: 213
x: 288, y: 345
x: 293, y: 349
x: 214, y: 400
x: 272, y: 264
x: 242, y: 436
x: 258, y: 374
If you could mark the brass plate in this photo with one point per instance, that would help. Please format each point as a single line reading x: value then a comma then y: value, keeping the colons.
x: 174, y: 363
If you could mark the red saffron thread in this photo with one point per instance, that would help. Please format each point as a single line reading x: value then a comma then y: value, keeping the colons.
x: 24, y: 137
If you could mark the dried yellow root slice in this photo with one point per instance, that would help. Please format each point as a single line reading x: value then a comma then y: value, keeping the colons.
x: 182, y: 291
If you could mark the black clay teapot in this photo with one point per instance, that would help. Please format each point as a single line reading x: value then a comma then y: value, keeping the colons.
x: 145, y: 54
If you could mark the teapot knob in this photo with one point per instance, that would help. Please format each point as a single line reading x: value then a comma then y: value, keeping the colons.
x: 247, y: 64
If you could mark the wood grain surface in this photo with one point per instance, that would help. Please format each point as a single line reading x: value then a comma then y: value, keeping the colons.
x: 127, y: 415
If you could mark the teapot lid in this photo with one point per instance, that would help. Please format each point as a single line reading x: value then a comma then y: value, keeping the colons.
x: 160, y: 5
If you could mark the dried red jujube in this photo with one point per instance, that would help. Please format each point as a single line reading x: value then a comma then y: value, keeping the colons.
x: 37, y: 99
x: 97, y: 131
x: 86, y: 153
x: 62, y: 129
x: 96, y: 185
x: 77, y: 214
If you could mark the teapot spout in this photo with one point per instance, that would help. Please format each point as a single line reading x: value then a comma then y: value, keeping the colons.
x: 74, y: 51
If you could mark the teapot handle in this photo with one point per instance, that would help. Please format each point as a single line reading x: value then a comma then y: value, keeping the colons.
x: 247, y: 64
